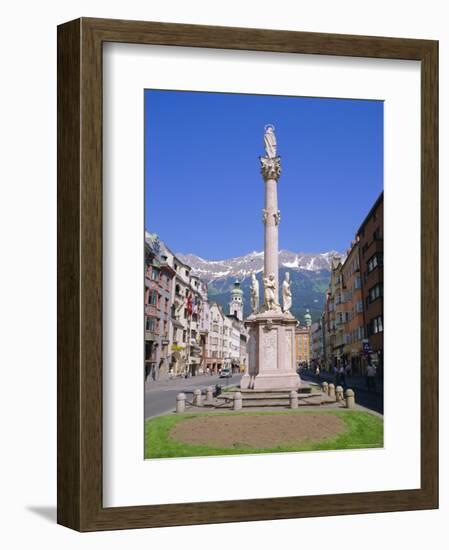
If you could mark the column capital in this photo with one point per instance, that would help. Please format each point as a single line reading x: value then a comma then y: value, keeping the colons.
x: 270, y: 168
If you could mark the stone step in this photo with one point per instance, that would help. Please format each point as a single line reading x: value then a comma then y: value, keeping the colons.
x: 306, y: 388
x: 277, y: 403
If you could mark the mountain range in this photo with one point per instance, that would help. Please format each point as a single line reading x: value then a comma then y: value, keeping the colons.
x: 309, y: 277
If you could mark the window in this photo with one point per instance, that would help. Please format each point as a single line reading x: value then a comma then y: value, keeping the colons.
x: 375, y: 292
x: 155, y: 274
x: 152, y: 298
x: 150, y: 324
x: 375, y: 261
x: 377, y: 325
x: 372, y: 263
x: 358, y: 282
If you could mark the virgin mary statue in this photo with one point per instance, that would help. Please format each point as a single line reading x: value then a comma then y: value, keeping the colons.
x: 270, y: 141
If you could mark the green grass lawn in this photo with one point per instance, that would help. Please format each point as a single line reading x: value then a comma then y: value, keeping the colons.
x: 363, y: 430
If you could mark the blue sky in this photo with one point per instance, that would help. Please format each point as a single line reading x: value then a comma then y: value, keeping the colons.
x: 203, y: 189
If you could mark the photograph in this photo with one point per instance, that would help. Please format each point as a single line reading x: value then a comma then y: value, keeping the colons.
x: 263, y: 273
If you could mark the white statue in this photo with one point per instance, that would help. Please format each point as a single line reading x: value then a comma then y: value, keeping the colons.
x: 286, y: 293
x: 270, y: 291
x: 270, y: 141
x: 254, y: 293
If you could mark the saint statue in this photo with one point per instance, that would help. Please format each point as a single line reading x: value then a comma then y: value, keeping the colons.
x: 270, y: 291
x: 270, y: 141
x: 254, y: 293
x: 286, y: 293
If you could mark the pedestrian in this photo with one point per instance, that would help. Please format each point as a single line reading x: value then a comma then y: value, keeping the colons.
x: 348, y: 369
x: 342, y: 376
x: 153, y: 372
x: 317, y: 373
x: 335, y: 374
x: 370, y: 376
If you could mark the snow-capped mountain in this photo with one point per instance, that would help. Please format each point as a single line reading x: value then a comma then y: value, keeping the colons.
x: 243, y: 266
x: 309, y: 278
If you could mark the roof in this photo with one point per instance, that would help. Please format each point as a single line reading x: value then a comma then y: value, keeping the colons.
x: 379, y: 199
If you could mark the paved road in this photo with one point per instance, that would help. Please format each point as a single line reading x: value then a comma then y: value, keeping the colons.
x: 160, y: 396
x: 370, y: 399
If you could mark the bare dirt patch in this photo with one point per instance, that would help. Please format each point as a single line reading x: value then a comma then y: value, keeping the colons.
x: 265, y: 431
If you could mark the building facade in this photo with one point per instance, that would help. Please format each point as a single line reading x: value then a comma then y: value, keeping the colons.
x: 354, y: 330
x: 185, y: 333
x: 352, y: 318
x: 158, y: 290
x: 302, y: 341
x: 370, y: 236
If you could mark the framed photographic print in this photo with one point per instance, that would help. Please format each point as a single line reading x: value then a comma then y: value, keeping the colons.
x: 247, y: 289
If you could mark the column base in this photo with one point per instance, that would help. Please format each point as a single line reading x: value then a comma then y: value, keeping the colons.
x: 281, y: 381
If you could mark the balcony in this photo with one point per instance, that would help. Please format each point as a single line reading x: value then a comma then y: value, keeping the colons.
x: 151, y: 335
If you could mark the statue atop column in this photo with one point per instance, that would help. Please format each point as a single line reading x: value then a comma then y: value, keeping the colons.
x: 271, y: 163
x: 270, y: 141
x: 254, y: 293
x: 286, y: 293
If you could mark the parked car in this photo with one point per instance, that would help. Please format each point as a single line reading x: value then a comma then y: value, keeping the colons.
x: 226, y: 373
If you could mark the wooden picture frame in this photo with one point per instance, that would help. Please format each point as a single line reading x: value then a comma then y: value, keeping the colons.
x: 80, y: 504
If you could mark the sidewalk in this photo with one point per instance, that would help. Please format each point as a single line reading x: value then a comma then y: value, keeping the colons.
x: 353, y: 382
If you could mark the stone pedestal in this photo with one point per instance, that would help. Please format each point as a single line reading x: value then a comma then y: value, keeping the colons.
x: 271, y: 352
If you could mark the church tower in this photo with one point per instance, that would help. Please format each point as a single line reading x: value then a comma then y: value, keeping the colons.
x: 236, y: 303
x: 307, y: 319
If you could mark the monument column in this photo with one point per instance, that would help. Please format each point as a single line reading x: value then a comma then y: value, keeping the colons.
x: 271, y: 329
x: 271, y: 171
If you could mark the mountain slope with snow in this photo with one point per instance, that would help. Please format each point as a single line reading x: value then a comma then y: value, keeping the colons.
x: 309, y: 276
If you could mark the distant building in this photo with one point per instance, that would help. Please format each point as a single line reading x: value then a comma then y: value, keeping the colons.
x: 236, y: 303
x: 215, y: 339
x: 354, y: 328
x: 316, y: 341
x: 307, y: 319
x: 239, y: 335
x: 302, y: 341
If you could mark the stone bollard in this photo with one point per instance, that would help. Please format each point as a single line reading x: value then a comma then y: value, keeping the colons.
x: 350, y: 399
x: 293, y: 399
x: 197, y: 398
x: 209, y: 394
x: 331, y: 391
x: 339, y: 393
x: 237, y: 401
x: 324, y: 387
x: 180, y: 402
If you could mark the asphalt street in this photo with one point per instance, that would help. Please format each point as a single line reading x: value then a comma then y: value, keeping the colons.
x: 160, y: 395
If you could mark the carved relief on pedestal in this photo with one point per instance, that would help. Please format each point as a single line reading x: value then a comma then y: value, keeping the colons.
x: 270, y: 340
x: 277, y: 217
x: 264, y: 215
x: 252, y: 354
x: 288, y: 347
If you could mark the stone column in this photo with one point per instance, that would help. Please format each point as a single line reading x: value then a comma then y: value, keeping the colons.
x: 271, y: 171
